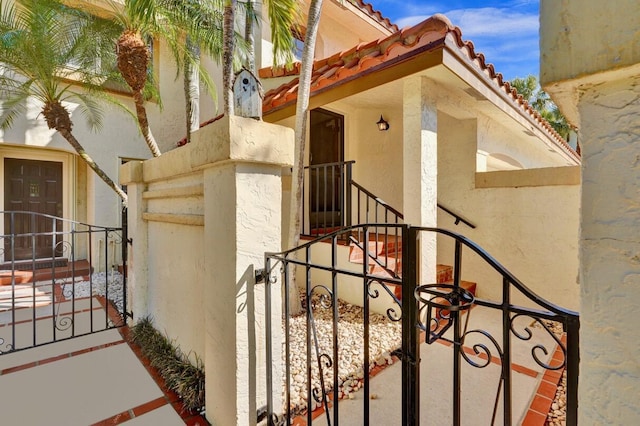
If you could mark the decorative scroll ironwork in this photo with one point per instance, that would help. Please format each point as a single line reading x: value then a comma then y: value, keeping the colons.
x: 45, y: 261
x: 324, y: 300
x: 437, y: 302
x: 540, y: 347
x: 393, y: 313
x: 441, y: 310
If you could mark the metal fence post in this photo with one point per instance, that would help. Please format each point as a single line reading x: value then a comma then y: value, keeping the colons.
x: 410, y: 342
x: 125, y: 253
x: 573, y: 365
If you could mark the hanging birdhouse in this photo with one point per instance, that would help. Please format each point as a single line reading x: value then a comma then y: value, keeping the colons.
x: 247, y: 95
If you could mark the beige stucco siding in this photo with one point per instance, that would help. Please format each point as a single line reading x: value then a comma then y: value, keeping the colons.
x: 532, y: 230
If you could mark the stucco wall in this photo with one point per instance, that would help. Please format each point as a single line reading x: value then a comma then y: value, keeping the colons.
x: 587, y: 37
x: 531, y: 230
x: 201, y: 218
x: 590, y: 66
x: 106, y: 147
x: 350, y: 288
x: 176, y: 265
x: 378, y: 155
x: 529, y: 151
x: 610, y: 269
x: 119, y: 137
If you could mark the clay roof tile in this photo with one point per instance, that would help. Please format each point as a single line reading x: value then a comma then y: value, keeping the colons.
x: 345, y: 65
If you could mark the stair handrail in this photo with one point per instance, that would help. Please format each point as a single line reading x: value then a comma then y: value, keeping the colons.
x: 457, y: 217
x: 350, y: 201
x: 377, y: 199
x: 385, y: 205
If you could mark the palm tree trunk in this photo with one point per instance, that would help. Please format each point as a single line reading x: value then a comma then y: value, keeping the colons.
x: 66, y: 133
x: 302, y: 110
x: 191, y: 90
x: 248, y: 36
x: 143, y: 122
x: 228, y: 41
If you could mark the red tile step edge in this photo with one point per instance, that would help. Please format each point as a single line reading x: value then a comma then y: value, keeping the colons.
x: 77, y: 268
x: 541, y: 403
x: 190, y: 418
x: 301, y: 420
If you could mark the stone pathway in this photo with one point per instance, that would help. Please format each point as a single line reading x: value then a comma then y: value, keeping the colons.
x: 384, y: 337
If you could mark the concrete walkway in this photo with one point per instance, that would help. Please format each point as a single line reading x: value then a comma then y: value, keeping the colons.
x: 532, y: 388
x: 97, y: 379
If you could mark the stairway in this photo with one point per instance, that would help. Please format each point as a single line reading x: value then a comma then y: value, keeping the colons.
x: 25, y: 273
x: 385, y: 261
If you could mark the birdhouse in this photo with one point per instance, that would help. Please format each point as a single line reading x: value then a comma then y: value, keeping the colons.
x: 247, y: 95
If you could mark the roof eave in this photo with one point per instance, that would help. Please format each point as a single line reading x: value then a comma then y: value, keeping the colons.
x: 460, y: 64
x: 402, y: 66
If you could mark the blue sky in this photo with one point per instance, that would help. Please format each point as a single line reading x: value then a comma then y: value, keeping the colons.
x: 505, y: 31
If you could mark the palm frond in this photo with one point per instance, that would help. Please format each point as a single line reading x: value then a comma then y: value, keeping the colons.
x: 11, y: 108
x: 283, y: 16
x: 89, y: 108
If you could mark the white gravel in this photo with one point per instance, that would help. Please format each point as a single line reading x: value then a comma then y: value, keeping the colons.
x: 384, y: 337
x: 97, y: 286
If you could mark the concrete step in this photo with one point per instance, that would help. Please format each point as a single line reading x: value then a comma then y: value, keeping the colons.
x: 72, y: 269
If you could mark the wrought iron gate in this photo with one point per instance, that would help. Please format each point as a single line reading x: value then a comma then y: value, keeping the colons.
x: 438, y: 314
x: 78, y: 288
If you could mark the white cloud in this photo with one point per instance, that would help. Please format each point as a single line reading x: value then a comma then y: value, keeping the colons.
x: 508, y: 38
x: 490, y: 21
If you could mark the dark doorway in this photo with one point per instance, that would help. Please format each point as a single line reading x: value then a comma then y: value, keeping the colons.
x: 34, y: 186
x: 326, y: 147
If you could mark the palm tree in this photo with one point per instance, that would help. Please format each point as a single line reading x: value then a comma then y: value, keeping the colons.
x: 540, y: 101
x: 145, y: 20
x: 302, y: 110
x: 44, y: 46
x: 283, y: 15
x: 228, y: 49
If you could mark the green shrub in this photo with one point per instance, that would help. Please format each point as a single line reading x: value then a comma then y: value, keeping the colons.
x: 179, y: 374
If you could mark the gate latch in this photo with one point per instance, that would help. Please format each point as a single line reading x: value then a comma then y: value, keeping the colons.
x: 260, y: 276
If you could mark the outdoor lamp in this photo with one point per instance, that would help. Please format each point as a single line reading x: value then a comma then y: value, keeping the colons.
x: 382, y: 124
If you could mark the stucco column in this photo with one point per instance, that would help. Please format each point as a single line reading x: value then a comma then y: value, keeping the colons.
x: 610, y: 253
x: 242, y: 204
x: 137, y: 270
x: 420, y: 167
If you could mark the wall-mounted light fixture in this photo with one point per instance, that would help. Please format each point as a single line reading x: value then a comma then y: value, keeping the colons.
x: 382, y: 124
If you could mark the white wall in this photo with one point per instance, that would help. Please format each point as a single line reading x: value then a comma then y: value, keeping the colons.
x: 176, y: 267
x: 532, y: 231
x: 201, y: 219
x: 529, y: 151
x: 378, y: 155
x: 350, y: 289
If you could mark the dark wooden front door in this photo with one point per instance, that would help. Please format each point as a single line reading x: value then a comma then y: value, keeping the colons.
x: 34, y: 186
x: 326, y: 146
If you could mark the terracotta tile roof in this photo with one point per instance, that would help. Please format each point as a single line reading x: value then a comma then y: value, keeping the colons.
x: 375, y: 14
x: 334, y: 69
x: 365, y: 58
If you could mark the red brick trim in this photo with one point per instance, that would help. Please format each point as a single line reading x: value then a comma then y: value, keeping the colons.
x: 57, y: 358
x: 190, y: 418
x: 546, y: 393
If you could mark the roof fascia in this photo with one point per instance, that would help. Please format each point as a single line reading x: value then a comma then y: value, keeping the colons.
x: 460, y: 64
x: 416, y: 61
x: 358, y: 11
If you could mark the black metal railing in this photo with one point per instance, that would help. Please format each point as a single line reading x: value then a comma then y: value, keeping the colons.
x: 456, y: 217
x: 385, y: 248
x: 333, y: 200
x: 60, y: 279
x: 440, y: 312
x: 327, y: 193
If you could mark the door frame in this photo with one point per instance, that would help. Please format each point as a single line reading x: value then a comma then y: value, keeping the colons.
x: 68, y: 161
x: 343, y: 149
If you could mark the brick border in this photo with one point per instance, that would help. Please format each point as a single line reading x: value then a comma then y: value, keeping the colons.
x: 190, y: 418
x: 540, y: 406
